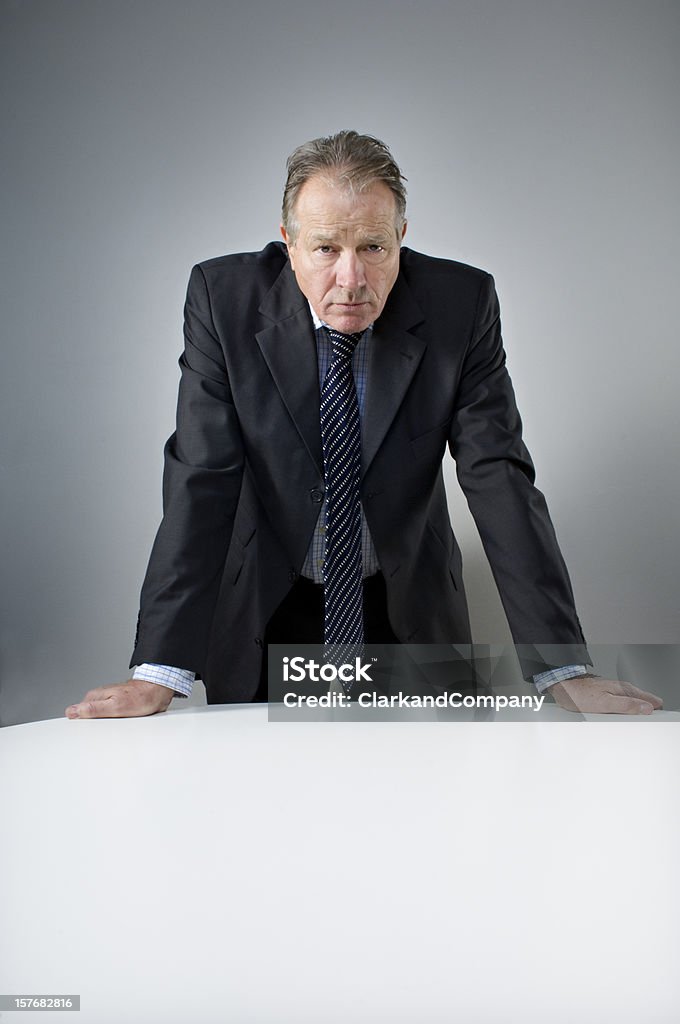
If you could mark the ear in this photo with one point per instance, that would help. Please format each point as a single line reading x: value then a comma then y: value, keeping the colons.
x: 403, y: 230
x: 289, y: 245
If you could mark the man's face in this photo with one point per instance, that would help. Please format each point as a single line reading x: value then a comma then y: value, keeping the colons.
x: 345, y: 256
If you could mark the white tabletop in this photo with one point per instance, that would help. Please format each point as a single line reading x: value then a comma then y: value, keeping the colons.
x: 210, y: 865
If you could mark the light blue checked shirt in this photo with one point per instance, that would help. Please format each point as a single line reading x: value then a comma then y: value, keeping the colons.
x: 181, y: 681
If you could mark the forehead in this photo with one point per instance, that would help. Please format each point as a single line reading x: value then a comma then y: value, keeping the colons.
x: 327, y: 204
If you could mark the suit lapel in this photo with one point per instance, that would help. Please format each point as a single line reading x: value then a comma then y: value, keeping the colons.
x: 394, y: 359
x: 289, y: 349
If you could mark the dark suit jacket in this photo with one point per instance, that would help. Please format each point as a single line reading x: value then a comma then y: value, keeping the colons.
x: 243, y: 477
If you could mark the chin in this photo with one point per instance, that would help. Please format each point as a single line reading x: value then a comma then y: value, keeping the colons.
x: 350, y: 323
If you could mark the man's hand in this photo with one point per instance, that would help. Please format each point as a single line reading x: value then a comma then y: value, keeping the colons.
x: 593, y: 696
x: 131, y: 699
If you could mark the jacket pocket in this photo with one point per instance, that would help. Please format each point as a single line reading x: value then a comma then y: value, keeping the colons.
x: 450, y: 552
x: 431, y: 442
x: 244, y: 533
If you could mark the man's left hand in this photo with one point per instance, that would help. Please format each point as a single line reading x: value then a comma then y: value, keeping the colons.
x: 594, y: 696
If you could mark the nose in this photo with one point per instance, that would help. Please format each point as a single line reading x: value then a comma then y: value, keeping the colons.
x: 349, y: 270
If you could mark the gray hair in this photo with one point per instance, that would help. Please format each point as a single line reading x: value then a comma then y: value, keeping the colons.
x: 354, y: 161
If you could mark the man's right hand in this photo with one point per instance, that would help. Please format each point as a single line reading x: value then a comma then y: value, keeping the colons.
x: 131, y: 699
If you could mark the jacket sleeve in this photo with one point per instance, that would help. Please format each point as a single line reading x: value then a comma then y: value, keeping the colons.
x: 203, y: 471
x: 497, y: 476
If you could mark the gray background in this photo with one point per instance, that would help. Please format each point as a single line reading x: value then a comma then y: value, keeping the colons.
x: 540, y: 142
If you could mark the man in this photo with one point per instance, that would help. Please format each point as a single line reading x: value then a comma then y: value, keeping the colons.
x: 322, y: 379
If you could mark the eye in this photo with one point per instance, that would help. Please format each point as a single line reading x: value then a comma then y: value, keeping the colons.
x: 374, y: 247
x: 324, y: 249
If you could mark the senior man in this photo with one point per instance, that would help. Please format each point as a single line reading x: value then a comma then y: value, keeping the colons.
x: 322, y: 379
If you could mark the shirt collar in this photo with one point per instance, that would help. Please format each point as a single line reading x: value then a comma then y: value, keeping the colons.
x: 321, y: 323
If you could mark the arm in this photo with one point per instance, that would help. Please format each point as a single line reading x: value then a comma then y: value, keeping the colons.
x: 201, y: 485
x: 497, y: 476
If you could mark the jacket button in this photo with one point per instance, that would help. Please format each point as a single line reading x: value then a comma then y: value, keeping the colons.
x: 316, y: 495
x: 258, y: 641
x: 292, y: 576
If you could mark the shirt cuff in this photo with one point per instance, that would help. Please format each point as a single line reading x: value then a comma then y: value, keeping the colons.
x: 557, y: 675
x: 178, y: 679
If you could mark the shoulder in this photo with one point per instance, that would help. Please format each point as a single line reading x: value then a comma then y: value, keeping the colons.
x: 257, y: 269
x: 239, y: 280
x: 419, y: 268
x: 449, y: 291
x: 271, y: 258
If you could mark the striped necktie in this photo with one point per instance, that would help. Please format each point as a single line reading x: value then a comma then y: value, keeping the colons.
x: 341, y: 439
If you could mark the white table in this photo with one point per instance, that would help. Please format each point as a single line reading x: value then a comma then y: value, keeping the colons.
x: 208, y: 865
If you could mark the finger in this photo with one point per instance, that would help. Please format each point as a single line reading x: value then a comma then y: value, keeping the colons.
x: 92, y: 698
x: 610, y: 704
x: 123, y: 700
x: 600, y: 696
x: 108, y: 707
x: 651, y: 698
x: 599, y: 700
x: 98, y: 693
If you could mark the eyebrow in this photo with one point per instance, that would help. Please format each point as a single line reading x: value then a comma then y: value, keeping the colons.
x: 377, y: 238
